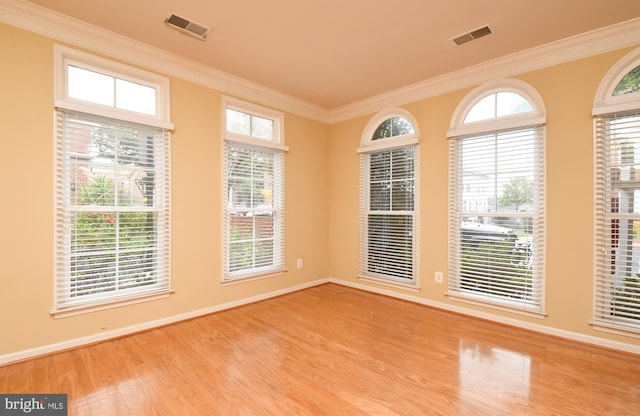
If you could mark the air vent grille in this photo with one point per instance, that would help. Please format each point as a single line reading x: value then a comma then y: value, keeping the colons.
x: 187, y: 26
x: 474, y: 34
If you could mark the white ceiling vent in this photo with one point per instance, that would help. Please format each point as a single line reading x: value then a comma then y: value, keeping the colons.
x: 187, y: 27
x: 474, y: 34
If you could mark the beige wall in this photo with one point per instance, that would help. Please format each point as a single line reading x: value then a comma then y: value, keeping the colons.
x: 26, y: 175
x: 321, y: 201
x: 568, y: 92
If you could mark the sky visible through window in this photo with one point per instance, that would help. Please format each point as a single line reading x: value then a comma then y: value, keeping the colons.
x: 102, y: 89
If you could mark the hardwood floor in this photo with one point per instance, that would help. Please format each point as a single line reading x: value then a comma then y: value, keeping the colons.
x: 333, y: 350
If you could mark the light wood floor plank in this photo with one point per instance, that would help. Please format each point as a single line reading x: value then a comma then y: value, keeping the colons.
x: 332, y: 350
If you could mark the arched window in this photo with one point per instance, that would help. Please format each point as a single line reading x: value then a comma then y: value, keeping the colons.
x: 617, y: 191
x: 496, y: 197
x: 388, y: 198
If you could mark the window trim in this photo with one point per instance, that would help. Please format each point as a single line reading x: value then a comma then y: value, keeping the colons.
x: 605, y: 102
x: 460, y: 130
x: 606, y: 106
x: 276, y: 116
x: 536, y: 117
x: 275, y: 146
x: 65, y: 57
x: 368, y: 147
x: 63, y: 304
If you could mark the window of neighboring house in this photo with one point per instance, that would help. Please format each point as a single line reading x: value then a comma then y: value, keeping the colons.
x: 617, y: 192
x: 112, y: 177
x: 496, y: 198
x: 388, y: 199
x: 254, y: 191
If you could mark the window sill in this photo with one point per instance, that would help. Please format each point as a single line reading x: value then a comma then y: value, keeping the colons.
x: 413, y: 286
x: 505, y: 306
x: 95, y: 307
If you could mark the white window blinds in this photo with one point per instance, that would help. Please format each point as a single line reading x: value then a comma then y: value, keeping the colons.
x: 254, y: 210
x: 112, y: 210
x: 388, y: 214
x: 617, y: 251
x: 496, y: 218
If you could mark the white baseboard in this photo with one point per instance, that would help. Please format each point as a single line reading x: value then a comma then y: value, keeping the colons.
x: 104, y: 336
x: 116, y: 333
x: 560, y: 333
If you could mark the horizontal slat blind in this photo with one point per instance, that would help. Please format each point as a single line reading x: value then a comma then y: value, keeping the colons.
x: 112, y: 210
x: 617, y: 251
x: 388, y: 221
x: 497, y: 218
x: 254, y: 213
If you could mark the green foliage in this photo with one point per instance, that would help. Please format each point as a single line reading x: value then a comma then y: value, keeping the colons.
x: 96, y: 266
x: 626, y: 300
x: 629, y: 84
x: 246, y: 250
x: 518, y: 191
x: 497, y: 269
x: 395, y: 126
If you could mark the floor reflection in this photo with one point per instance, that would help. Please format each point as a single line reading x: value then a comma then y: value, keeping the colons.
x: 492, y: 374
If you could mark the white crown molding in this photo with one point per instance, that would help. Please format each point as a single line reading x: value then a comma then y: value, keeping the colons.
x: 588, y: 44
x: 75, y: 32
x: 63, y: 28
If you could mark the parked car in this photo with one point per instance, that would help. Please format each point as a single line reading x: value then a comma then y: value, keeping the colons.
x: 474, y: 233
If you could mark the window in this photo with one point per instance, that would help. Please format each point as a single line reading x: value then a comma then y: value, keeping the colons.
x: 112, y: 185
x: 388, y: 199
x: 254, y: 187
x: 496, y: 198
x: 617, y: 239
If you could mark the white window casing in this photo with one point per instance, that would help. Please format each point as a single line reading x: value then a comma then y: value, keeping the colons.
x: 497, y: 199
x: 616, y: 301
x: 389, y: 200
x: 112, y: 185
x: 254, y: 205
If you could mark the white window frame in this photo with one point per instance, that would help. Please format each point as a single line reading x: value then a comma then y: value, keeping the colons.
x: 276, y: 147
x: 66, y: 107
x: 459, y: 130
x: 368, y: 147
x: 608, y: 107
x: 65, y: 57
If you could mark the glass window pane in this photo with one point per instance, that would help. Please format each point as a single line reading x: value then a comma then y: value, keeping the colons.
x: 392, y: 127
x: 390, y: 246
x: 91, y: 86
x: 400, y: 126
x: 402, y: 195
x: 380, y: 196
x: 629, y: 84
x: 511, y: 103
x: 482, y: 110
x: 262, y: 128
x: 238, y: 122
x: 383, y: 130
x: 135, y: 97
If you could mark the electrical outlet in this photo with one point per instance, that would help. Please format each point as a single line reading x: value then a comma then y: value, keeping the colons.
x: 299, y: 263
x: 439, y: 277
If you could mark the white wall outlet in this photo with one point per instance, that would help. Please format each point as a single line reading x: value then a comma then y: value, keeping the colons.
x: 439, y: 278
x: 299, y: 263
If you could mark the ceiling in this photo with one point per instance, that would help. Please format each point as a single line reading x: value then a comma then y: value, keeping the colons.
x: 332, y: 53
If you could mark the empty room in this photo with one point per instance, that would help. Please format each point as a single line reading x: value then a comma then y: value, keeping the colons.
x: 320, y: 207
